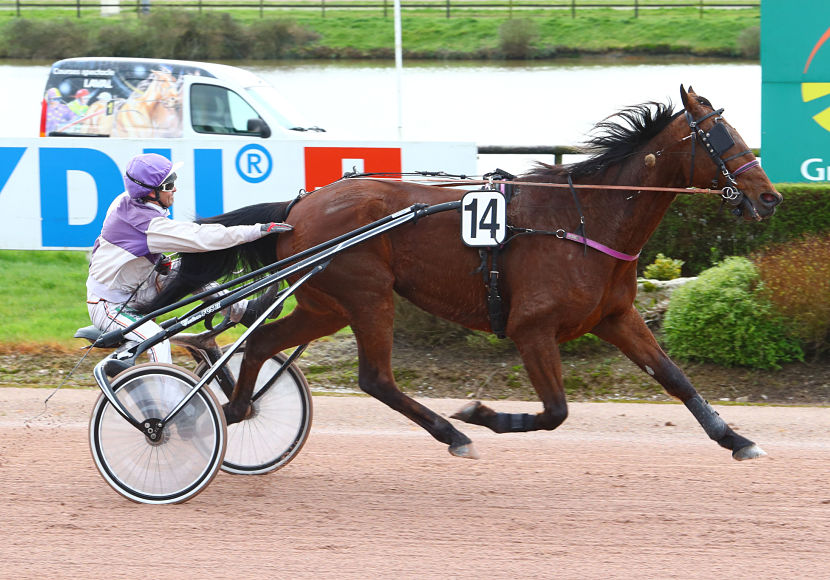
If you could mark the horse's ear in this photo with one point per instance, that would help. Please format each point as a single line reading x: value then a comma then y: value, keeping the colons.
x: 684, y: 96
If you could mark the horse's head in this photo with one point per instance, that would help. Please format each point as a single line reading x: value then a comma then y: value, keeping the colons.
x: 163, y: 88
x: 720, y: 159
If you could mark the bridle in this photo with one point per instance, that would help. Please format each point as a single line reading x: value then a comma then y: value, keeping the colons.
x: 717, y: 140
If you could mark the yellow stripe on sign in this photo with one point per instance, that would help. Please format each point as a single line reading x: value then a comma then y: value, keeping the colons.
x: 823, y: 119
x: 812, y: 91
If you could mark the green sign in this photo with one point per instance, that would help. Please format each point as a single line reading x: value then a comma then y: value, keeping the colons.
x: 795, y: 96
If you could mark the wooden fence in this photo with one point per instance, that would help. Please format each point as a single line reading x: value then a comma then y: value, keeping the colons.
x: 22, y: 7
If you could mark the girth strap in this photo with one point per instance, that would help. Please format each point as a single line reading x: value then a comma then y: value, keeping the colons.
x: 495, y: 304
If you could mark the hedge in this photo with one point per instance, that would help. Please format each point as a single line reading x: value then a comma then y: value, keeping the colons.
x: 697, y: 231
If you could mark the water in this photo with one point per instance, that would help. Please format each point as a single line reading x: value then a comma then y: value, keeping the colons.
x: 544, y: 103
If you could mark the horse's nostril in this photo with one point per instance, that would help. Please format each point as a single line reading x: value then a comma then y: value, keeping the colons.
x: 770, y: 198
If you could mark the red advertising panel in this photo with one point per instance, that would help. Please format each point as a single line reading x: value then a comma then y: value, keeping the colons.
x: 324, y: 165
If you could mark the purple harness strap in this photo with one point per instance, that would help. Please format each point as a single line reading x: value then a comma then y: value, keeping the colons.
x: 745, y: 167
x: 596, y: 245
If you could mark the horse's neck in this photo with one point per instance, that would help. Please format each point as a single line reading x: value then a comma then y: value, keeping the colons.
x: 622, y: 219
x: 642, y: 211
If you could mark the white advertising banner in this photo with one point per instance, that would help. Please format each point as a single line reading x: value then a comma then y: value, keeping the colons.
x: 54, y: 191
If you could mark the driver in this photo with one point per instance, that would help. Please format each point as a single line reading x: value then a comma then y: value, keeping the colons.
x: 127, y: 266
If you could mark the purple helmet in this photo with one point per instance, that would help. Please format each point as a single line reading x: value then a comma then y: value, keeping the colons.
x: 145, y: 173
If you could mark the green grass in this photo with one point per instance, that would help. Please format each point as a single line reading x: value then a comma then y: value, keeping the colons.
x: 43, y: 298
x: 427, y: 33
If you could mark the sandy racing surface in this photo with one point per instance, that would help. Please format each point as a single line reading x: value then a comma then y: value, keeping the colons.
x: 620, y: 491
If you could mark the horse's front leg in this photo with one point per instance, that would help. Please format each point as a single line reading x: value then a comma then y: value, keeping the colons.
x: 630, y: 334
x: 540, y: 355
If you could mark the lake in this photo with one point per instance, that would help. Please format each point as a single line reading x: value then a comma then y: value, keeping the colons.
x: 492, y: 103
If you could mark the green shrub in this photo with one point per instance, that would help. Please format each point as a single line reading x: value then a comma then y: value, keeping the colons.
x: 663, y: 268
x: 724, y: 317
x: 45, y: 39
x: 273, y: 39
x: 796, y: 279
x: 164, y: 33
x: 516, y: 38
x: 749, y: 42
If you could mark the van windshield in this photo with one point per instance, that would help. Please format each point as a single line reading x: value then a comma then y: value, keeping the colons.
x: 269, y: 98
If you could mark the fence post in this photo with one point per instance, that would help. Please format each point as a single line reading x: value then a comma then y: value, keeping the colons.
x: 448, y: 9
x: 636, y: 9
x: 78, y: 8
x: 260, y: 8
x: 323, y: 7
x: 701, y: 8
x: 17, y: 2
x: 573, y: 8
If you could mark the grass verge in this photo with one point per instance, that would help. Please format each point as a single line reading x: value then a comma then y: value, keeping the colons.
x: 427, y: 33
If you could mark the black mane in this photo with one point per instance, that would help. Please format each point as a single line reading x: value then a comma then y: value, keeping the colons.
x: 197, y: 269
x: 615, y: 139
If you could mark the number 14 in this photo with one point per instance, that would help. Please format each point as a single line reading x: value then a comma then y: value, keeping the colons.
x: 483, y: 218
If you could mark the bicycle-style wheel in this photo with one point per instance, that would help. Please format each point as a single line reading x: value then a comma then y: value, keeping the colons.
x: 189, y: 452
x: 279, y: 423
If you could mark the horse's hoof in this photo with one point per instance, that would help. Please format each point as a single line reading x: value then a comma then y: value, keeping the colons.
x: 748, y: 452
x: 466, y: 412
x: 467, y: 451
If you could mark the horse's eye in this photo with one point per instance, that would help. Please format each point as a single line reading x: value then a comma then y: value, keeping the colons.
x: 704, y: 101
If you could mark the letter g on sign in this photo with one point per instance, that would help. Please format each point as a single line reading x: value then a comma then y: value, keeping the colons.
x: 813, y: 173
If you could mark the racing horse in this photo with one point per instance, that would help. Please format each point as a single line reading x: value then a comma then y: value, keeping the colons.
x: 151, y: 109
x: 556, y: 285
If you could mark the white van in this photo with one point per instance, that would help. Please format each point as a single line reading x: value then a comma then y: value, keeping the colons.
x: 239, y: 141
x: 147, y: 98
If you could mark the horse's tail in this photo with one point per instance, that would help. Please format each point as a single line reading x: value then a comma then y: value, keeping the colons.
x: 199, y: 268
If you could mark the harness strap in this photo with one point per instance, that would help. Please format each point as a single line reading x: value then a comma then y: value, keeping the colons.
x: 581, y: 228
x: 495, y: 308
x: 692, y: 170
x: 600, y: 247
x: 746, y: 167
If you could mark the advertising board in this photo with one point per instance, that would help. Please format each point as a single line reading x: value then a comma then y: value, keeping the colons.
x: 795, y: 63
x: 54, y: 191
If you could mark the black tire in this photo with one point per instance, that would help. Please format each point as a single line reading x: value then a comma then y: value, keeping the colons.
x: 188, y: 455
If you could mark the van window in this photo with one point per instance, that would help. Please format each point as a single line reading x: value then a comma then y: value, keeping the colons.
x: 216, y: 109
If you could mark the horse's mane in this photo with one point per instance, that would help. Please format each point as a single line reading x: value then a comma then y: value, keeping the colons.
x: 198, y: 268
x: 615, y: 139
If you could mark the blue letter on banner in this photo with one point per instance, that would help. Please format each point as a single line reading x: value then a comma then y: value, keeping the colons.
x: 55, y: 163
x: 208, y: 181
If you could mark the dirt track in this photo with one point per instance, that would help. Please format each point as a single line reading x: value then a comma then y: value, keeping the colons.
x: 620, y: 491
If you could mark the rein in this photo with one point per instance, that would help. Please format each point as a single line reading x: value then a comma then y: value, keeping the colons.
x: 447, y: 183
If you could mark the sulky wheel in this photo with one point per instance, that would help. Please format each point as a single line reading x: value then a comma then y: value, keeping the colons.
x: 280, y: 421
x: 185, y: 458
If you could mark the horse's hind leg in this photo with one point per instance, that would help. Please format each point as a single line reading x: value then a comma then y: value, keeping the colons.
x: 630, y: 334
x: 540, y: 355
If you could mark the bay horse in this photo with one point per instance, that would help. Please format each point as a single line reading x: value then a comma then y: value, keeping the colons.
x: 554, y: 290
